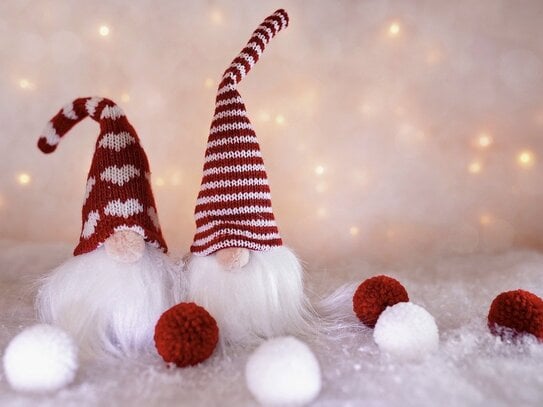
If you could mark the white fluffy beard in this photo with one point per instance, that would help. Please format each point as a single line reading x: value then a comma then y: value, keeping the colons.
x: 110, y: 307
x: 263, y: 299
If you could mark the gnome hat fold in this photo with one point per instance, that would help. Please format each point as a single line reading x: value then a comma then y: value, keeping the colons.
x: 118, y: 193
x: 234, y: 208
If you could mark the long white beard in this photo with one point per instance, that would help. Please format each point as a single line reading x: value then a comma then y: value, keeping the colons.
x: 110, y: 307
x: 263, y: 299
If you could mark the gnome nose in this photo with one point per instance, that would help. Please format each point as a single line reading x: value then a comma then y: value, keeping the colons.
x: 233, y: 258
x: 125, y: 246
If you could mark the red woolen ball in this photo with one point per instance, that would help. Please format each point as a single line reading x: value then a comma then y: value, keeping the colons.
x: 186, y: 334
x: 374, y: 295
x: 518, y: 310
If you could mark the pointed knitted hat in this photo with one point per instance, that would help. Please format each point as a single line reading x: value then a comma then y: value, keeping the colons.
x: 118, y: 194
x: 233, y: 208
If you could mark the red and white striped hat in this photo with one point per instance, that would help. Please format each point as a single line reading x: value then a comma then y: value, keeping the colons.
x: 234, y: 204
x: 118, y: 194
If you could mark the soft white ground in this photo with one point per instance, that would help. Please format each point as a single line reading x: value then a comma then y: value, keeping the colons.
x: 471, y: 367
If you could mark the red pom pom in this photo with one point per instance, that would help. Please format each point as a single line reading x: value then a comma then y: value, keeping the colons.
x: 186, y: 334
x: 520, y: 311
x: 374, y: 295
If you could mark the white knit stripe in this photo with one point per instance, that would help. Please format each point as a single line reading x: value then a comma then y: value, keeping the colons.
x: 268, y: 30
x: 134, y: 228
x: 151, y: 212
x: 275, y: 23
x: 262, y: 37
x: 119, y: 175
x: 233, y: 211
x: 230, y: 101
x: 283, y: 20
x: 234, y: 243
x: 228, y: 183
x: 88, y: 188
x: 68, y: 111
x: 236, y: 232
x: 50, y: 134
x: 230, y: 113
x: 116, y: 141
x: 232, y: 197
x: 230, y: 126
x: 90, y: 224
x: 232, y: 154
x: 111, y: 112
x: 234, y: 168
x: 249, y: 58
x: 259, y: 223
x: 232, y: 140
x: 124, y: 209
x: 229, y: 86
x: 240, y: 68
x: 91, y: 105
x: 256, y: 47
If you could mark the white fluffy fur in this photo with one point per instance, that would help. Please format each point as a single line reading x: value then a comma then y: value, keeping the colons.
x: 110, y: 307
x: 261, y: 300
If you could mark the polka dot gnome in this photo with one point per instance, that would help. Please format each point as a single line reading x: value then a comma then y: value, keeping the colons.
x: 238, y: 268
x: 120, y: 280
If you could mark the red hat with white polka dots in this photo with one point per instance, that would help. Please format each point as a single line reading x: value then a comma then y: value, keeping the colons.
x: 118, y: 195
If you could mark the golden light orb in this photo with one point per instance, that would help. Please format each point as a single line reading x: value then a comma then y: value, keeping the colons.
x: 394, y: 29
x: 354, y: 231
x: 216, y: 16
x: 24, y: 178
x: 475, y: 167
x: 526, y: 158
x: 319, y: 170
x: 103, y: 30
x: 484, y: 140
x: 280, y: 119
x: 486, y: 219
x: 160, y: 182
x: 208, y: 83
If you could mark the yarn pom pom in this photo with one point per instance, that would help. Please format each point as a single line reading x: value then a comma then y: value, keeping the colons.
x: 42, y: 358
x: 374, y: 295
x: 406, y: 331
x: 519, y: 312
x: 283, y: 371
x: 186, y: 334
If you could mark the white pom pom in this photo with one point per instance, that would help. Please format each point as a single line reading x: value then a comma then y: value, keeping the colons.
x: 283, y: 371
x: 41, y: 358
x: 406, y: 331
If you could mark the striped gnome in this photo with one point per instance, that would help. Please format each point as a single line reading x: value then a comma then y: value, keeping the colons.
x: 238, y: 268
x: 111, y: 293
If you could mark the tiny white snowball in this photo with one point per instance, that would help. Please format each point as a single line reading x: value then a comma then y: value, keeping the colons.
x: 41, y: 358
x: 406, y: 331
x: 283, y: 371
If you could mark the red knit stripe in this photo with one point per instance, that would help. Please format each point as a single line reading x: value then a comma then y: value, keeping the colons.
x: 233, y: 205
x: 262, y: 230
x: 230, y: 120
x: 223, y: 163
x: 220, y: 237
x: 237, y: 217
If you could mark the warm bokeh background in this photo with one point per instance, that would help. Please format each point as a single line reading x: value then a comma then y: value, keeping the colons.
x: 390, y: 129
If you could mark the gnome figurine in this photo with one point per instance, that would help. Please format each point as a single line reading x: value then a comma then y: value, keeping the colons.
x: 238, y: 268
x: 110, y: 295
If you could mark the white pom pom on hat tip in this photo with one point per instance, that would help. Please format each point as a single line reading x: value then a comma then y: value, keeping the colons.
x: 41, y: 358
x: 406, y: 332
x: 283, y: 371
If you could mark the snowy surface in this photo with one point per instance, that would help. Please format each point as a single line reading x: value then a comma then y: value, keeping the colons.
x: 471, y: 368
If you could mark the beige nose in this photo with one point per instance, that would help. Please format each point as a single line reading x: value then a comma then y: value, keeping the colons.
x: 233, y: 258
x: 125, y: 246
